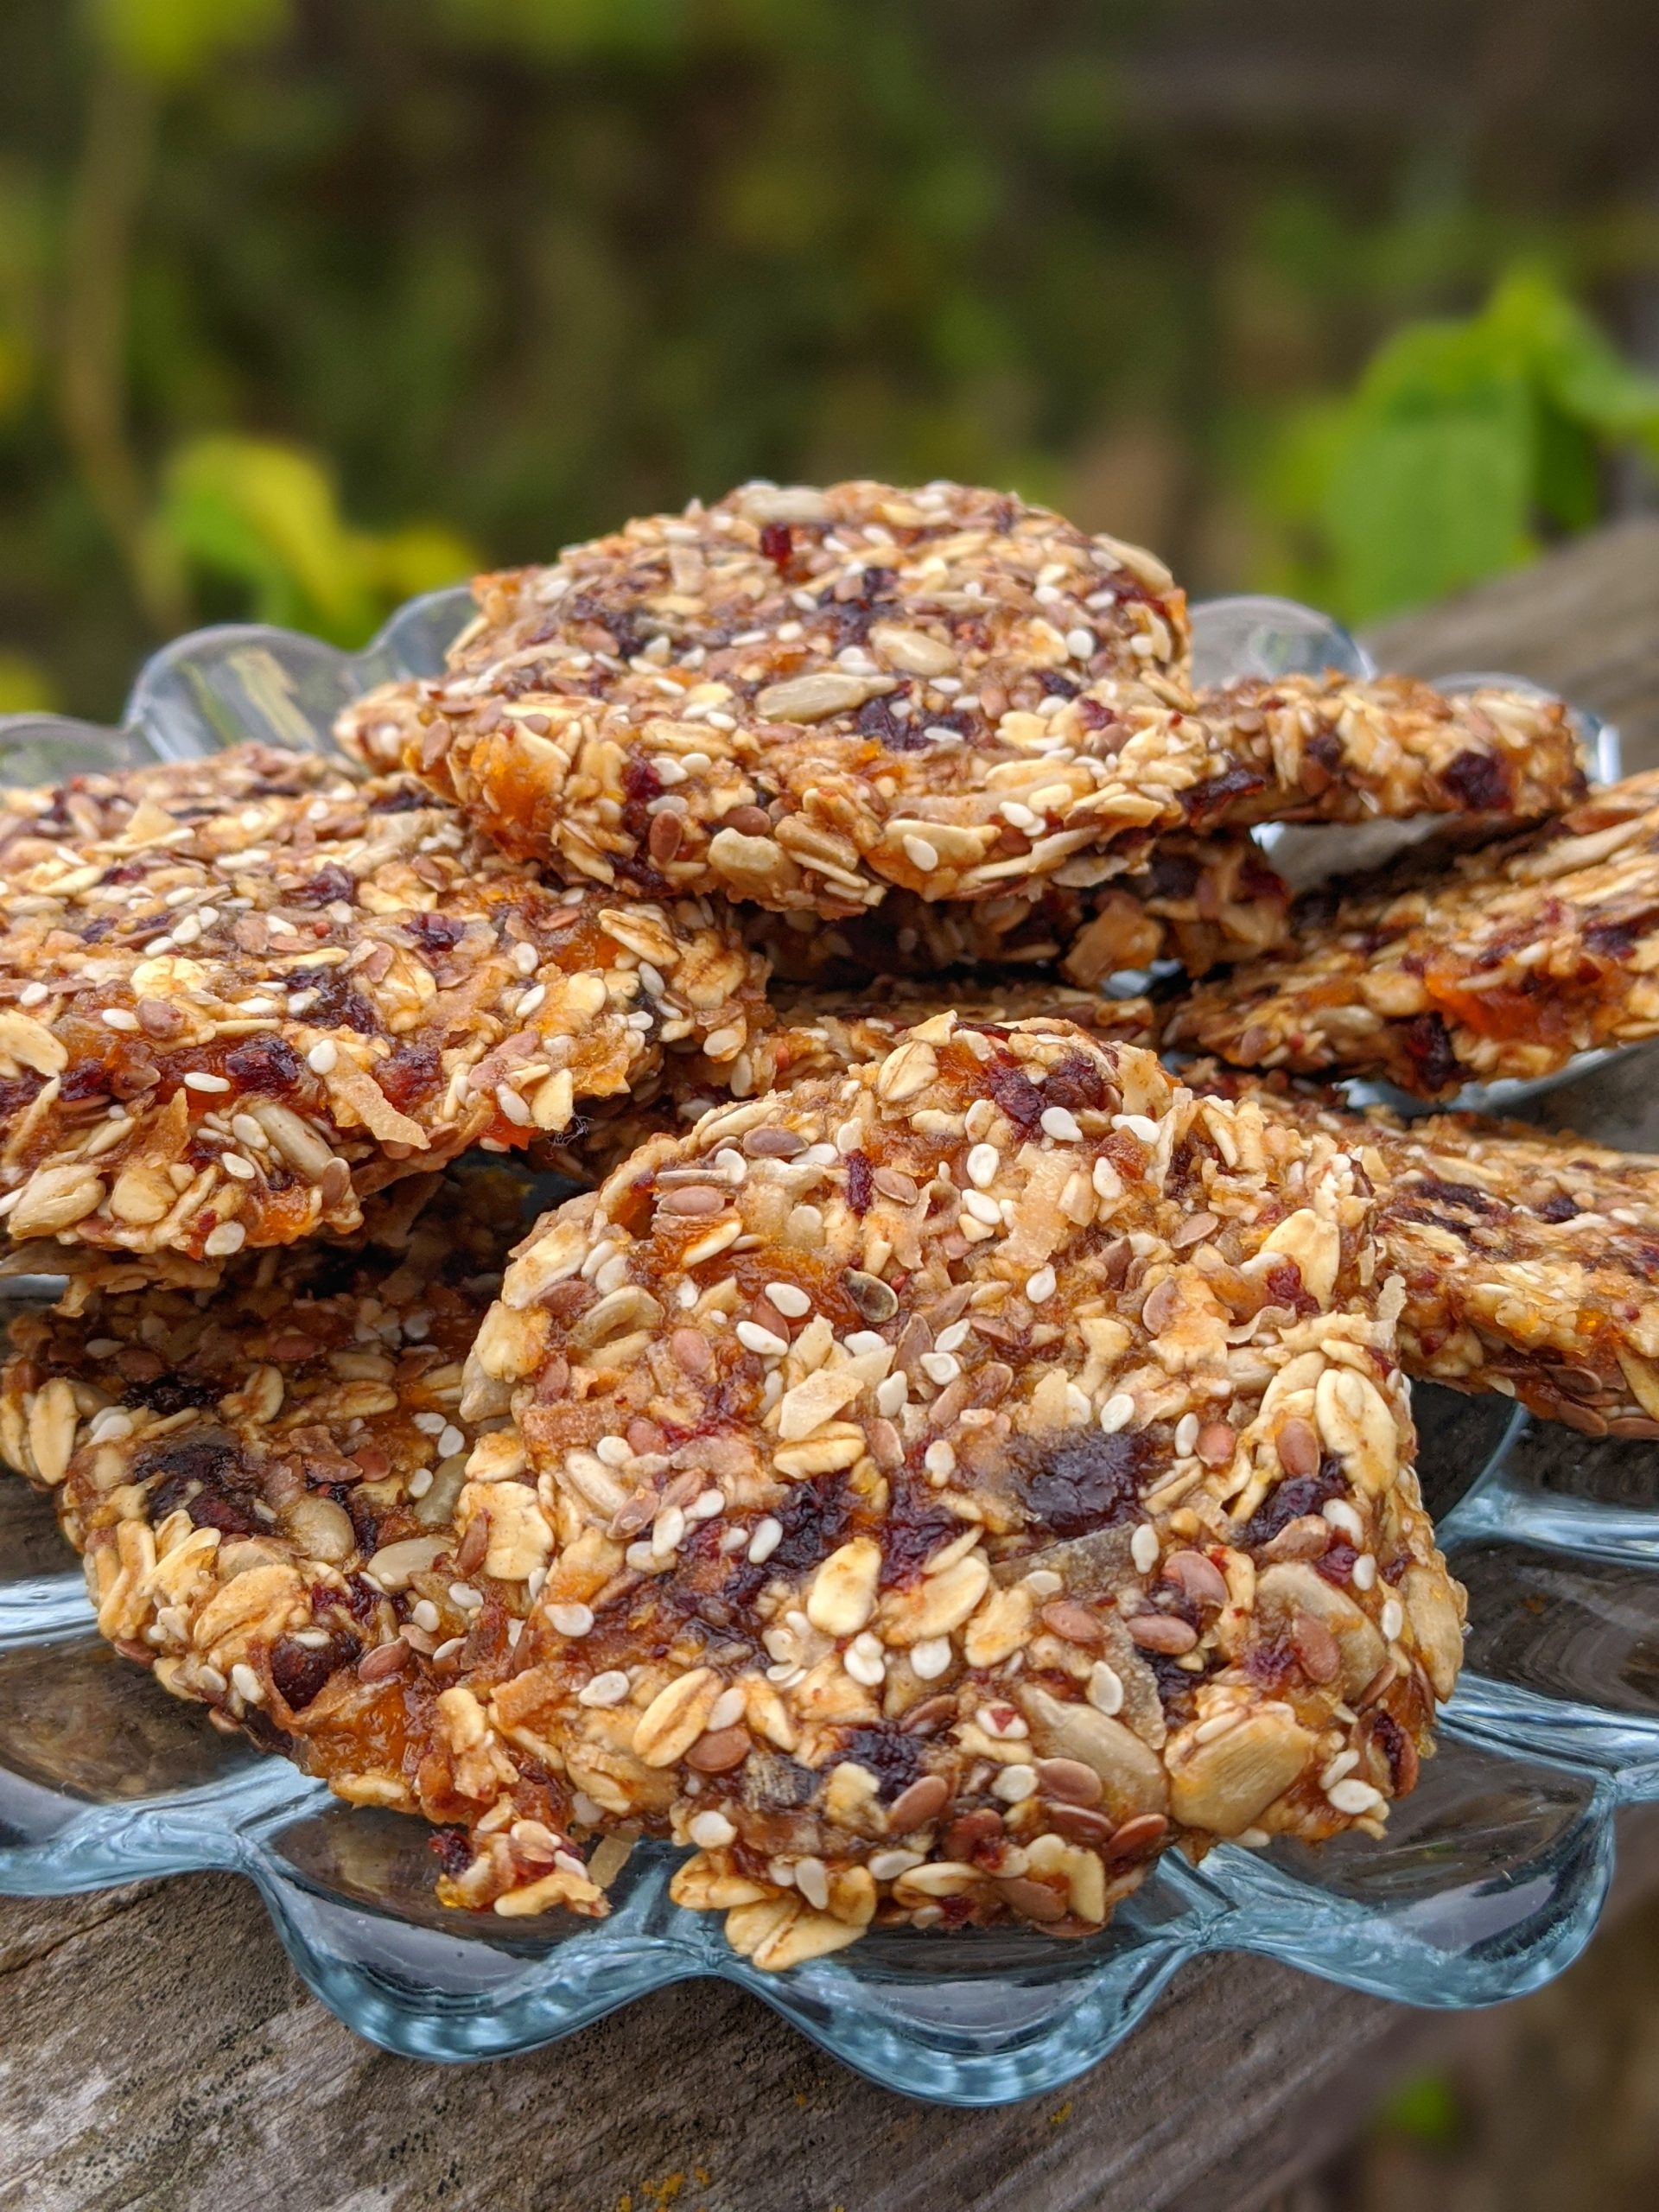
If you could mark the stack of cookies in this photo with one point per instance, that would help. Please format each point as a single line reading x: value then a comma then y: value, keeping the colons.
x: 944, y: 1454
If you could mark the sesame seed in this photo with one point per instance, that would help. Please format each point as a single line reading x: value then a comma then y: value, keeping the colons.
x: 246, y: 1684
x: 710, y: 1831
x: 451, y: 1440
x: 1144, y: 1548
x: 892, y: 1394
x: 115, y: 1017
x: 1041, y: 1286
x: 920, y: 854
x: 1354, y: 1797
x: 1061, y: 1124
x: 929, y: 1659
x: 1187, y: 1433
x: 706, y: 1506
x: 512, y: 1106
x: 1363, y: 1576
x: 1137, y: 1125
x: 1342, y: 1517
x: 754, y: 1338
x: 978, y: 1207
x: 420, y: 1481
x: 768, y: 1534
x: 429, y: 1424
x: 613, y: 1451
x: 1394, y: 1620
x: 448, y: 1650
x: 888, y: 1866
x: 425, y: 1614
x: 464, y: 1595
x: 323, y: 1056
x: 219, y: 1243
x: 940, y: 1367
x: 571, y: 1620
x: 865, y: 1660
x: 609, y: 1688
x: 940, y: 1459
x: 790, y: 1299
x: 1118, y: 1412
x: 983, y: 1163
x: 32, y: 995
x: 196, y: 1080
x: 1104, y: 1690
x: 1080, y: 644
x: 953, y: 1339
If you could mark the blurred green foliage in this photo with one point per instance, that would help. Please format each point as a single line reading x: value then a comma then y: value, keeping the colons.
x: 306, y: 304
x: 1426, y: 2110
x: 1462, y: 442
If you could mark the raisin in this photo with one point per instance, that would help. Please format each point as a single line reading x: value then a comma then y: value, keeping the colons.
x: 915, y: 1528
x: 409, y: 800
x: 336, y: 1005
x: 1432, y: 1190
x: 171, y: 1394
x: 452, y: 1850
x: 777, y: 544
x: 300, y: 1670
x: 1479, y: 781
x: 1015, y: 1093
x: 876, y: 719
x: 1290, y: 1500
x: 204, y: 1475
x: 861, y: 1182
x: 892, y: 1756
x: 814, y: 1517
x: 409, y: 1073
x: 435, y: 932
x: 328, y: 884
x: 263, y: 1063
x: 1086, y: 1482
x: 1428, y: 1042
x: 1559, y: 1208
x: 1207, y: 802
x: 86, y: 1079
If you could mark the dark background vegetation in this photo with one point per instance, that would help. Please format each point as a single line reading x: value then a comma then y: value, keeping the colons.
x: 306, y: 304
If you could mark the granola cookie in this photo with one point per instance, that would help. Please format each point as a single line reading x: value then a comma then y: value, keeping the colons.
x: 1199, y: 900
x: 1441, y: 971
x: 1529, y: 1259
x: 804, y: 699
x: 967, y: 1476
x: 262, y: 1478
x: 237, y: 995
x: 827, y: 1032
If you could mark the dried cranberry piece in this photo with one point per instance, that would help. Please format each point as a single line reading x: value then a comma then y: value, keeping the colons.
x: 336, y: 1005
x: 777, y: 544
x: 1288, y: 1501
x: 409, y: 1073
x: 300, y: 1670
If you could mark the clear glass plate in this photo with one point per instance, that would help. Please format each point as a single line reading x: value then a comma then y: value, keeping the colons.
x: 1490, y: 1882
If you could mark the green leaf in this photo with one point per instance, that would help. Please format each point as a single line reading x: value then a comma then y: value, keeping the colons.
x: 1571, y: 362
x: 173, y: 42
x: 25, y: 687
x: 266, y: 517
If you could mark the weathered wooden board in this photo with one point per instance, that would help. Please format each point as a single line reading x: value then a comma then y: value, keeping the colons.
x: 156, y: 2050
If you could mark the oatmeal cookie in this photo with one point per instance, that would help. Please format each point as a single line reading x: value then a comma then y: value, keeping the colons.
x: 1446, y: 970
x: 237, y: 994
x: 262, y: 1478
x: 1200, y: 900
x: 1529, y: 1259
x: 804, y: 699
x: 968, y: 1475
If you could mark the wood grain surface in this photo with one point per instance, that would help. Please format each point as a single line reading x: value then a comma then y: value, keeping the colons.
x: 157, y: 2051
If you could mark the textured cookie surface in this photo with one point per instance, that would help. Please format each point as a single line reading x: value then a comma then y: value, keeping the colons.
x: 806, y: 698
x: 237, y: 994
x: 966, y: 1475
x: 1447, y: 969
